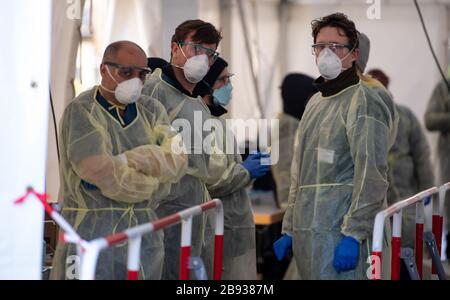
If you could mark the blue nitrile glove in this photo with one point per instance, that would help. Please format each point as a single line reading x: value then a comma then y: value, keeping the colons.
x: 254, y: 165
x: 427, y: 200
x: 346, y: 254
x: 283, y: 247
x: 88, y: 186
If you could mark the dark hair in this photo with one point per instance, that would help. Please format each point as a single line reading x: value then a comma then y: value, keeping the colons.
x: 296, y: 90
x: 340, y: 21
x: 112, y: 50
x: 205, y: 87
x: 203, y: 32
x: 380, y: 76
x: 156, y: 63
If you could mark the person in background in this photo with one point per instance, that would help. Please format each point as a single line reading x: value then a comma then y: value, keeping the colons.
x: 339, y: 171
x: 410, y: 169
x: 154, y: 63
x: 296, y: 90
x: 373, y: 83
x: 386, y: 96
x: 239, y: 252
x: 193, y: 51
x: 437, y: 119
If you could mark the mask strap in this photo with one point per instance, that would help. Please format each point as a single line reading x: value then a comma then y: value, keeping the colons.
x: 112, y: 105
x: 117, y: 108
x: 177, y: 66
x: 108, y: 90
x: 345, y: 57
x: 182, y: 52
x: 110, y: 75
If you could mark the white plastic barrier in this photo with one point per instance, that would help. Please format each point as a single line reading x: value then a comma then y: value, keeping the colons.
x: 134, y: 236
x: 26, y: 29
x: 438, y: 198
x: 89, y: 251
x: 69, y: 233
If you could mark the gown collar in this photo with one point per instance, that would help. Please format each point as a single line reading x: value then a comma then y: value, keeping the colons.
x: 344, y: 80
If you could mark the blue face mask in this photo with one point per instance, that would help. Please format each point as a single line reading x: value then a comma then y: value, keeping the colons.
x: 222, y: 96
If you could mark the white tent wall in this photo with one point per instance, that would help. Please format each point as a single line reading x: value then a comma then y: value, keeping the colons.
x: 263, y: 25
x: 209, y: 11
x: 175, y: 12
x: 135, y: 20
x: 114, y: 20
x: 25, y: 28
x: 66, y: 22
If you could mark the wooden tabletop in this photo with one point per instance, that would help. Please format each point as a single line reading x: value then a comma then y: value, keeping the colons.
x: 267, y: 215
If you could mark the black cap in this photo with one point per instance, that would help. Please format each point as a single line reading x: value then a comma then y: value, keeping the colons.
x: 156, y: 63
x: 296, y: 90
x: 204, y: 87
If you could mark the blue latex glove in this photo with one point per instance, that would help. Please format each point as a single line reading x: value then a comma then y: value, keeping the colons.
x: 254, y: 166
x: 427, y: 200
x: 283, y: 247
x: 346, y: 254
x: 88, y: 186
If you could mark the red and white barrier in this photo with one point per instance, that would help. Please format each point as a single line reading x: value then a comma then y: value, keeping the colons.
x: 89, y: 251
x: 133, y: 236
x: 438, y: 198
x: 438, y: 218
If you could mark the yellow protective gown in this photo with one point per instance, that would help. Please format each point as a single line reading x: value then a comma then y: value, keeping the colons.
x: 281, y: 170
x: 388, y: 100
x: 204, y: 166
x: 114, y: 171
x: 338, y: 178
x: 239, y: 247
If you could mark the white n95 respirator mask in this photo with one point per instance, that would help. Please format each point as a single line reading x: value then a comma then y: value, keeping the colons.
x: 126, y: 92
x: 329, y: 64
x: 196, y: 68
